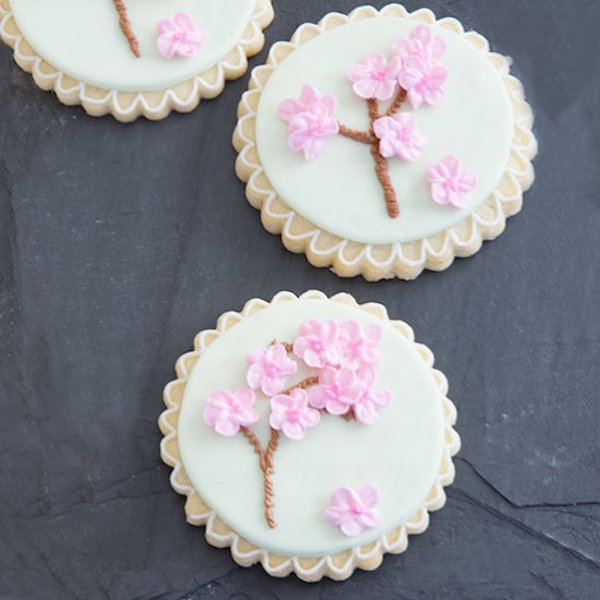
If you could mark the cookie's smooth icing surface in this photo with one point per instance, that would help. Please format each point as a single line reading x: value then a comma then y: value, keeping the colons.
x: 338, y: 191
x: 83, y: 38
x: 400, y: 454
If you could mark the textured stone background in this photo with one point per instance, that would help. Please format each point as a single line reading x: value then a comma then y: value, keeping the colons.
x: 118, y: 243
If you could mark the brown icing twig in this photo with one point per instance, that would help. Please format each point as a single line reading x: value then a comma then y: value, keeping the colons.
x: 353, y: 134
x: 266, y: 457
x: 382, y: 168
x: 268, y: 476
x: 397, y: 102
x: 125, y: 25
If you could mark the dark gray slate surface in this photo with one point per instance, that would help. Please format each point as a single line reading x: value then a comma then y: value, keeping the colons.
x: 118, y: 243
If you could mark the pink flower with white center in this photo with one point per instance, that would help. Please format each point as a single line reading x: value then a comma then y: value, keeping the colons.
x: 372, y: 399
x: 227, y: 412
x: 179, y: 36
x: 398, y: 136
x: 311, y: 120
x: 358, y: 344
x: 337, y: 392
x: 354, y: 512
x: 269, y: 369
x: 292, y: 414
x: 317, y: 343
x: 422, y: 75
x: 450, y: 185
x: 375, y: 77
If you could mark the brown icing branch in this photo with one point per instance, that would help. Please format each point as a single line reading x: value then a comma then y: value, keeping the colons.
x: 125, y: 25
x: 397, y: 102
x: 251, y: 437
x: 382, y: 168
x: 268, y: 475
x: 266, y: 457
x: 353, y: 134
x: 313, y: 380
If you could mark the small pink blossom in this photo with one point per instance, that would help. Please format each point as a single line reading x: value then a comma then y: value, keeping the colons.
x: 227, y: 411
x: 421, y: 42
x: 354, y: 512
x: 309, y: 97
x: 179, y: 36
x: 317, y: 343
x: 371, y: 400
x: 292, y: 414
x: 450, y: 185
x: 269, y: 369
x: 375, y: 77
x: 358, y: 344
x: 311, y: 119
x: 422, y: 75
x: 398, y: 136
x: 337, y: 391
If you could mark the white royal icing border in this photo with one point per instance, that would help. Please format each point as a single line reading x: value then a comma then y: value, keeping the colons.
x: 128, y: 106
x: 338, y: 566
x: 405, y: 260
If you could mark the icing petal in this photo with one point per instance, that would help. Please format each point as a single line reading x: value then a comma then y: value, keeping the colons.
x: 369, y: 496
x: 227, y: 427
x: 184, y: 21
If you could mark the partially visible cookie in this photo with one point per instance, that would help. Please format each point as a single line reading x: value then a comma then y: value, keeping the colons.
x: 134, y: 57
x: 382, y: 143
x: 309, y: 434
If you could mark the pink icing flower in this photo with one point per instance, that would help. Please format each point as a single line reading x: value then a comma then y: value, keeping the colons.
x: 337, y: 392
x: 311, y: 119
x: 179, y: 36
x: 398, y: 136
x: 450, y: 185
x: 227, y: 411
x: 421, y: 74
x: 354, y: 512
x: 359, y: 343
x: 422, y: 42
x: 307, y: 132
x: 269, y: 369
x: 374, y: 77
x: 372, y: 399
x: 317, y: 343
x: 292, y: 414
x: 309, y: 97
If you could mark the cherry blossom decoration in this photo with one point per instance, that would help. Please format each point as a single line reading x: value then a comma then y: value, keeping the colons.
x: 341, y: 359
x: 179, y: 36
x: 352, y: 511
x: 421, y: 74
x: 414, y: 73
x: 450, y: 185
x: 269, y: 369
x: 374, y: 77
x: 228, y: 411
x: 311, y: 119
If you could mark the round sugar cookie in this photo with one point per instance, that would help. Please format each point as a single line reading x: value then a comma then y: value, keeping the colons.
x: 310, y: 434
x: 384, y: 142
x: 134, y: 57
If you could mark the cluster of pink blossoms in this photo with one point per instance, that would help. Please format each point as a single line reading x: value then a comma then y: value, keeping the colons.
x: 416, y: 68
x: 345, y: 355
